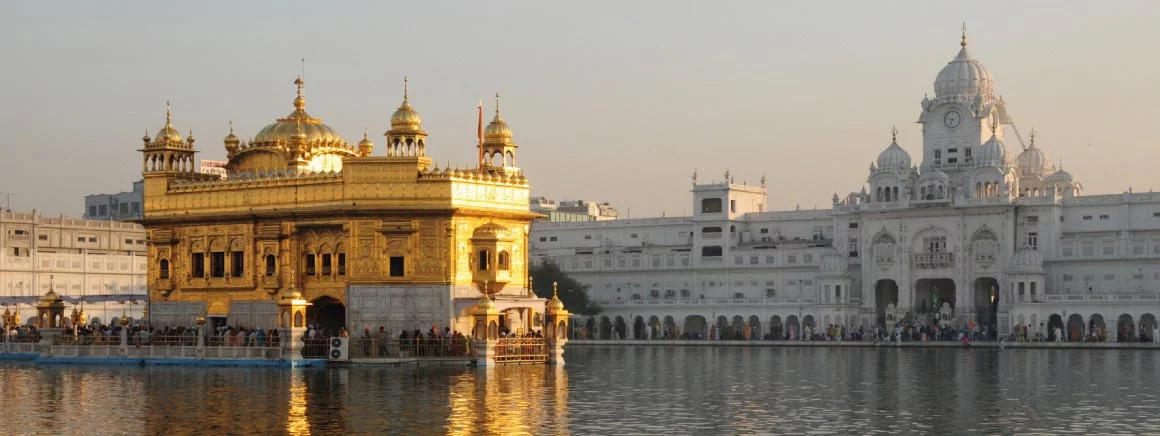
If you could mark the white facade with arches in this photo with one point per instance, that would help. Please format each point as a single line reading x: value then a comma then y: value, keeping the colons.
x: 985, y: 229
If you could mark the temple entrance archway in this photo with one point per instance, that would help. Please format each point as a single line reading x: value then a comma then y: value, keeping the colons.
x: 1075, y: 330
x: 327, y: 313
x: 619, y: 327
x: 793, y: 327
x: 930, y: 295
x: 986, y: 302
x: 654, y: 327
x: 605, y: 328
x: 696, y: 327
x: 1125, y: 328
x: 1148, y: 322
x: 737, y: 328
x: 809, y: 325
x: 1055, y: 321
x: 776, y: 330
x: 754, y: 327
x: 1097, y: 324
x: 590, y: 328
x: 669, y: 328
x: 885, y: 294
x: 638, y: 328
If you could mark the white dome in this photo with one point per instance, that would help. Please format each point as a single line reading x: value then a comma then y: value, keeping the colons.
x: 1032, y: 160
x: 1027, y: 258
x: 964, y: 75
x: 894, y: 158
x: 834, y: 263
x: 992, y: 153
x: 1060, y: 176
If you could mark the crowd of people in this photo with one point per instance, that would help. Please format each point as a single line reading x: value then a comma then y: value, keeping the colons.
x: 22, y: 334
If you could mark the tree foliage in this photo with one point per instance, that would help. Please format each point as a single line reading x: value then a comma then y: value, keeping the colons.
x: 571, y: 292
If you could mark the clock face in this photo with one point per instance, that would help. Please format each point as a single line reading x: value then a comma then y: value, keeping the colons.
x: 952, y: 119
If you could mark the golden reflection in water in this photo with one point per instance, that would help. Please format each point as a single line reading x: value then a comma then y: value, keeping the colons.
x: 515, y: 399
x: 296, y: 421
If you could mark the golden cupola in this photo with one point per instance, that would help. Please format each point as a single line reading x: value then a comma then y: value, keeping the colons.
x: 499, y: 152
x: 168, y: 152
x: 231, y: 142
x: 406, y: 138
x: 365, y: 147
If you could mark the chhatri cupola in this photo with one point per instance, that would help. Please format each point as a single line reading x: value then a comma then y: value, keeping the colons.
x: 168, y: 153
x: 406, y: 138
x: 499, y: 152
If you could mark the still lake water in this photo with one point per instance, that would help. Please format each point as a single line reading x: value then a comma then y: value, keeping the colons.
x: 612, y: 390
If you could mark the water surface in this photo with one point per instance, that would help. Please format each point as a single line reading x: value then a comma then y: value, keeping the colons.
x: 613, y: 390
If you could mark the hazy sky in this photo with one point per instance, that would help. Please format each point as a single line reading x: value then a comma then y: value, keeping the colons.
x: 613, y: 101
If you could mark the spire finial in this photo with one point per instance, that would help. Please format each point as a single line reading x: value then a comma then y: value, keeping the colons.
x: 231, y: 127
x: 300, y: 83
x: 994, y: 126
x: 406, y: 91
x: 1032, y: 136
x: 300, y: 101
x: 555, y: 289
x: 168, y: 112
x: 365, y: 134
x: 894, y: 134
x: 963, y: 43
x: 497, y: 104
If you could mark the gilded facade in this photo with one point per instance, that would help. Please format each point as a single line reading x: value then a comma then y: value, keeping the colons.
x: 371, y: 239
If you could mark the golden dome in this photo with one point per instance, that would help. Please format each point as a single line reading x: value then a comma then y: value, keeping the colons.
x: 286, y: 128
x: 124, y: 320
x: 555, y: 305
x: 366, y: 142
x: 50, y: 296
x: 485, y: 304
x: 231, y: 138
x: 168, y: 133
x: 490, y: 231
x: 497, y: 129
x: 405, y: 118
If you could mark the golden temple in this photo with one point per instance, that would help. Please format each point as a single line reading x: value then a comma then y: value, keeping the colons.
x: 388, y: 239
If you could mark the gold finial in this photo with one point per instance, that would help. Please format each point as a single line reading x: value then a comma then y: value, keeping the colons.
x: 365, y: 134
x: 893, y: 134
x: 231, y: 127
x: 168, y: 112
x: 1032, y: 137
x: 51, y: 280
x: 406, y: 90
x: 963, y: 43
x: 300, y: 100
x: 555, y: 289
x: 497, y: 105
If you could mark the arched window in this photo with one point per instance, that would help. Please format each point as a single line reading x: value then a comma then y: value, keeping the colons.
x: 484, y: 258
x: 503, y: 260
x: 878, y: 196
x: 271, y: 265
x: 163, y: 269
x: 894, y: 194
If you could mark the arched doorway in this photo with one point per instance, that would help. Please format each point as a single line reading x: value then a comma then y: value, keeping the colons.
x: 590, y: 328
x: 654, y: 329
x: 670, y: 329
x: 1054, y: 322
x: 1126, y: 329
x: 1098, y: 326
x: 1075, y: 330
x: 793, y: 328
x: 809, y: 325
x: 695, y: 327
x: 327, y: 313
x: 754, y: 327
x: 737, y: 329
x: 605, y: 328
x: 1148, y: 322
x: 986, y: 302
x: 776, y: 330
x: 931, y: 294
x: 638, y: 328
x: 885, y: 294
x: 619, y: 328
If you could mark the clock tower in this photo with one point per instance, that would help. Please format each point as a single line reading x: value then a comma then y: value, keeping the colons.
x: 960, y: 116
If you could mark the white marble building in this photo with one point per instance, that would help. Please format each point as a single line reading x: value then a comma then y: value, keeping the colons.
x: 984, y: 228
x: 99, y: 261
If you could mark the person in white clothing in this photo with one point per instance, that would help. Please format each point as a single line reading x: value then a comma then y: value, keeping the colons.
x: 1058, y: 335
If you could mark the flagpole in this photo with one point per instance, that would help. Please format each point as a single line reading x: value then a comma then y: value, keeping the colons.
x: 479, y: 135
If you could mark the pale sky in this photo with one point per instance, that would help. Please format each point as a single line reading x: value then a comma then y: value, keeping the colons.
x: 611, y: 101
